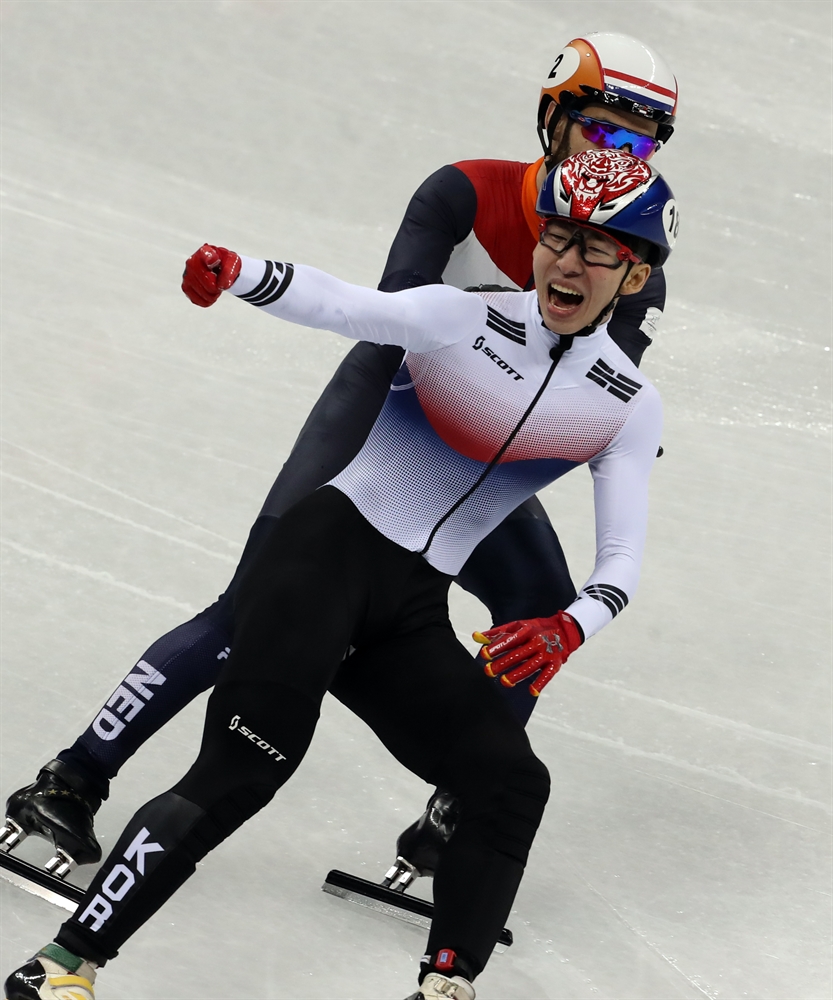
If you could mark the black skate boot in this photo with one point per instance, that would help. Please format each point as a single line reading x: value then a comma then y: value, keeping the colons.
x: 59, y: 806
x: 418, y: 848
x: 53, y: 974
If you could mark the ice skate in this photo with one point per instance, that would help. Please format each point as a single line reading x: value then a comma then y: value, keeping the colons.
x: 436, y: 986
x: 59, y: 806
x: 418, y: 848
x: 52, y: 974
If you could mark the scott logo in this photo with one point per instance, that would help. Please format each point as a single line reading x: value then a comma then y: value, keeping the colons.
x: 481, y: 345
x: 262, y: 744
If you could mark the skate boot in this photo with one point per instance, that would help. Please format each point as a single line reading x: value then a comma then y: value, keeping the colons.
x: 53, y: 974
x: 445, y: 976
x: 436, y: 986
x: 59, y: 805
x: 418, y: 848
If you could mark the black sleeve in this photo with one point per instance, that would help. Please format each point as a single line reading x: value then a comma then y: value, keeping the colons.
x: 439, y: 216
x: 629, y: 315
x: 338, y: 424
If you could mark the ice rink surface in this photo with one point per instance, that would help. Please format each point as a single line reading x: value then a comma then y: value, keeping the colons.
x: 685, y: 851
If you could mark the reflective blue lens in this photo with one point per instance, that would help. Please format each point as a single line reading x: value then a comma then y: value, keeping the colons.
x: 605, y: 135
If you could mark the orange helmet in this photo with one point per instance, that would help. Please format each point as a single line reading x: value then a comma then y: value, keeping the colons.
x: 611, y: 69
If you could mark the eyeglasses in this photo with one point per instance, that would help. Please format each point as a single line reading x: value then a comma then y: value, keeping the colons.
x: 606, y: 135
x: 596, y: 249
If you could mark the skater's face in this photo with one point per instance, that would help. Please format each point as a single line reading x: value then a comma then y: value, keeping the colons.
x: 575, y: 284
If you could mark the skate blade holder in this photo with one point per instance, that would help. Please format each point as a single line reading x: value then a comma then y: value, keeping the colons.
x: 391, y: 902
x: 400, y: 875
x: 11, y: 835
x: 61, y: 865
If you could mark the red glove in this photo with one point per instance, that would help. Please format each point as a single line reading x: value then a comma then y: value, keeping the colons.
x: 208, y: 272
x: 536, y: 644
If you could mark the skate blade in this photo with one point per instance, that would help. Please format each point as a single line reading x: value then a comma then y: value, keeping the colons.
x: 374, y: 904
x: 395, y: 904
x: 40, y: 883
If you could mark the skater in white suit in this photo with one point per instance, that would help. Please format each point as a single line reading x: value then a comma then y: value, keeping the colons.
x: 499, y: 394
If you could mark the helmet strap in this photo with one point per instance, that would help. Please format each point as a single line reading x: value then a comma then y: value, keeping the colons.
x: 545, y: 134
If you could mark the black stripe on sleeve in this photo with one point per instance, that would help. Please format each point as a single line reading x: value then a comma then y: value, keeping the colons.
x: 264, y: 281
x: 275, y: 282
x: 273, y: 294
x: 614, y: 599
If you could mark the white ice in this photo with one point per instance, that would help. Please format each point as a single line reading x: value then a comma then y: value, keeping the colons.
x: 685, y: 851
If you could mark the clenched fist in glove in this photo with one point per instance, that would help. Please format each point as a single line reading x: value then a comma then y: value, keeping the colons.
x: 535, y: 644
x: 208, y: 272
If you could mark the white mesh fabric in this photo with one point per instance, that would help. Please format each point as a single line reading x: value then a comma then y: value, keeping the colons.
x: 451, y: 414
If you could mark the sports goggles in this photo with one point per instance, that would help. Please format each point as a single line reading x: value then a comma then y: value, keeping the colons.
x: 606, y: 135
x: 603, y: 251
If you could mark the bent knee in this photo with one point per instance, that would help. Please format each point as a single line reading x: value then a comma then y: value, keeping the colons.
x: 527, y: 789
x: 531, y: 778
x: 519, y: 807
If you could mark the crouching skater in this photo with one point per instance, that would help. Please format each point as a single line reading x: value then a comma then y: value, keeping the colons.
x: 500, y: 393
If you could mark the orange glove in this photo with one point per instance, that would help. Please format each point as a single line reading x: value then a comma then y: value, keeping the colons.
x: 535, y: 643
x: 208, y: 272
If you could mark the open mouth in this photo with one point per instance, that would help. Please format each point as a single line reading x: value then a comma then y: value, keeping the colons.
x: 563, y: 298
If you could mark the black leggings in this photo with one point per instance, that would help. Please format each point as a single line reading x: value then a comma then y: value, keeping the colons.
x: 519, y: 571
x: 325, y: 579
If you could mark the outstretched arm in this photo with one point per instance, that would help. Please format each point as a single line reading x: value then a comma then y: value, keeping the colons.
x: 418, y: 319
